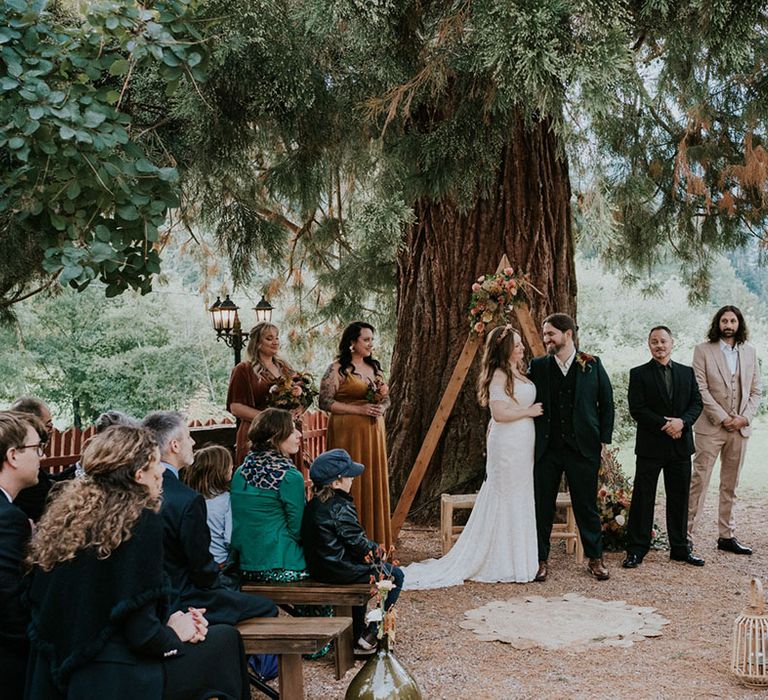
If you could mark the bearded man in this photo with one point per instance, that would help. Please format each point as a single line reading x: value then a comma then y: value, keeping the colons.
x: 577, y: 421
x: 729, y: 380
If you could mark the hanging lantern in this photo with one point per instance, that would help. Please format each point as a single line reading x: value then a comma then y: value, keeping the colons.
x: 263, y: 310
x: 749, y: 661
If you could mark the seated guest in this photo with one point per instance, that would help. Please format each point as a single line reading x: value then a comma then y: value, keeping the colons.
x: 335, y: 545
x: 32, y: 500
x: 187, y: 541
x: 104, y: 421
x: 210, y: 475
x: 21, y: 440
x: 268, y: 502
x: 100, y: 622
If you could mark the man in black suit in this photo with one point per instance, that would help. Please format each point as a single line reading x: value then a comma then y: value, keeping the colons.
x: 186, y: 543
x: 21, y: 445
x: 665, y: 401
x: 578, y: 419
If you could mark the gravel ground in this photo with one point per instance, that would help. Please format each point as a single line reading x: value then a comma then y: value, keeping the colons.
x: 690, y: 660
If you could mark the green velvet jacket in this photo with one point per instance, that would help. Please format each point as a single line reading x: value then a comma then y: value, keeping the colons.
x: 267, y: 507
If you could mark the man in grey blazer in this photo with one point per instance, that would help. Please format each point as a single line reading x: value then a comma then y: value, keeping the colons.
x: 728, y: 375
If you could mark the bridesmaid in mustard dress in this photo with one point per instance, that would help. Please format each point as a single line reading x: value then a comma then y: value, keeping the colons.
x: 354, y: 393
x: 251, y: 380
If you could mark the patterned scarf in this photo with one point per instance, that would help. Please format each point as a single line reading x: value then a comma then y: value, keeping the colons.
x: 265, y: 469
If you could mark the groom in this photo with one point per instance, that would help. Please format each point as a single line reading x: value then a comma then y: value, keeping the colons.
x: 578, y: 419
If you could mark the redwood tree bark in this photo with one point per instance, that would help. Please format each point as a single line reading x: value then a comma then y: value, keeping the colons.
x: 528, y: 218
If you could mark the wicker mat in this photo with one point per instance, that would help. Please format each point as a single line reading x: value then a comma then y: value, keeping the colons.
x: 570, y: 621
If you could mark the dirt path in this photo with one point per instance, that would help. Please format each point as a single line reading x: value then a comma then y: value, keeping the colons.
x: 690, y: 660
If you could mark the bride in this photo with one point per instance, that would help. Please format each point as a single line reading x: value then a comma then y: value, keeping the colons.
x: 498, y: 543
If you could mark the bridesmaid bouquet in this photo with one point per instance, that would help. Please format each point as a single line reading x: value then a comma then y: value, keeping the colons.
x: 378, y: 390
x: 293, y: 391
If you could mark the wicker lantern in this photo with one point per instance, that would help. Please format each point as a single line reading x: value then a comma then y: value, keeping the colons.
x: 749, y: 662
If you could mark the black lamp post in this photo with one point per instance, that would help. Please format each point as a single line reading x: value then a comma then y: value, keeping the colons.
x: 226, y: 323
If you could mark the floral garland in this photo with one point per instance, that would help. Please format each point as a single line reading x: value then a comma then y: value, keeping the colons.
x: 494, y: 296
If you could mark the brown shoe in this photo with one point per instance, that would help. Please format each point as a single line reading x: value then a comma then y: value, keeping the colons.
x: 597, y: 569
x: 541, y: 574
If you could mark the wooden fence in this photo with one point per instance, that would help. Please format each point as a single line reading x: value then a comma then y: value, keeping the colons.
x: 65, y: 448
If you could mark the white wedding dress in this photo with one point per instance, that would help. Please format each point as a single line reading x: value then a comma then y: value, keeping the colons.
x: 498, y: 543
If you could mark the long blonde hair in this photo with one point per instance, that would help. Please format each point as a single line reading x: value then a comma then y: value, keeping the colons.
x: 252, y: 350
x: 101, y: 509
x: 498, y: 349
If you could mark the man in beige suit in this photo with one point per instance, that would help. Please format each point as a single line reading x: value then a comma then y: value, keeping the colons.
x: 729, y: 380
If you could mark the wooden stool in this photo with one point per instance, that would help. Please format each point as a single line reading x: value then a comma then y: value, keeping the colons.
x: 568, y: 531
x: 449, y: 532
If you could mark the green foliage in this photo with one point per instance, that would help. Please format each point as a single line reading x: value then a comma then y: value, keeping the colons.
x: 683, y: 151
x: 79, y: 197
x: 86, y: 354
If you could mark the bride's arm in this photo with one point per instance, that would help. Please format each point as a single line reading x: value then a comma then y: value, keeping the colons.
x: 506, y: 412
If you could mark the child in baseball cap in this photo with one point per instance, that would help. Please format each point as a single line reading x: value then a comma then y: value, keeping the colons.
x: 335, y: 544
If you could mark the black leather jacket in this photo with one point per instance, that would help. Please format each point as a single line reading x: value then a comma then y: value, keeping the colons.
x: 334, y: 542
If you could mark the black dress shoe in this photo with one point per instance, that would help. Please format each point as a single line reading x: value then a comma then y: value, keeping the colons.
x: 731, y: 544
x: 632, y: 561
x: 689, y: 558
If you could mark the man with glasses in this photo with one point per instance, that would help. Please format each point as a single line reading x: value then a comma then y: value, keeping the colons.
x: 33, y: 500
x: 22, y: 441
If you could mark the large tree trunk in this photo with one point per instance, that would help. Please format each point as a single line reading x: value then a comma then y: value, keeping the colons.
x: 528, y: 218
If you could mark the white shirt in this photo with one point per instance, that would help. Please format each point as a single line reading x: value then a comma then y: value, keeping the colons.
x: 565, y: 366
x: 731, y: 356
x: 7, y: 495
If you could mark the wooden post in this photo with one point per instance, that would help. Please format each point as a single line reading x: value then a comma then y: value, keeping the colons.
x: 447, y: 402
x: 530, y: 329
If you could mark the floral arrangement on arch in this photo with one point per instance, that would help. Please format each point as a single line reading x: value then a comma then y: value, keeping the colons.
x: 381, y: 584
x: 494, y: 296
x: 614, y: 495
x: 292, y: 392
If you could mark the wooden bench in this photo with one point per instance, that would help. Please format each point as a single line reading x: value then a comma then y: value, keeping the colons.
x: 289, y: 638
x: 449, y: 532
x: 341, y: 596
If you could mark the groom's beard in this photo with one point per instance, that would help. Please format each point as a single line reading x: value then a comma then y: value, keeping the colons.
x: 554, y: 348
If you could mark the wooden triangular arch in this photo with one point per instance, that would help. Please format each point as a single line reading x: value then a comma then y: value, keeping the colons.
x: 444, y: 408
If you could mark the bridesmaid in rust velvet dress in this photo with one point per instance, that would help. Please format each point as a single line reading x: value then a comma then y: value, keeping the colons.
x: 251, y: 380
x: 354, y: 393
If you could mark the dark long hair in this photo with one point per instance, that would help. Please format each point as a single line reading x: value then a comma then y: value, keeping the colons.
x: 563, y: 323
x: 350, y: 335
x: 742, y: 333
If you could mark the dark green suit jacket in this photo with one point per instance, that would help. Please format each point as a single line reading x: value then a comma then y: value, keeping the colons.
x: 593, y: 403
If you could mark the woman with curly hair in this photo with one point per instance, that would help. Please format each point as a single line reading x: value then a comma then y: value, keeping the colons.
x: 100, y: 625
x: 354, y: 393
x: 251, y: 380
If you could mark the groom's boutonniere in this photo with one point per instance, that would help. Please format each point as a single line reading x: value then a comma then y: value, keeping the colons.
x: 585, y: 361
